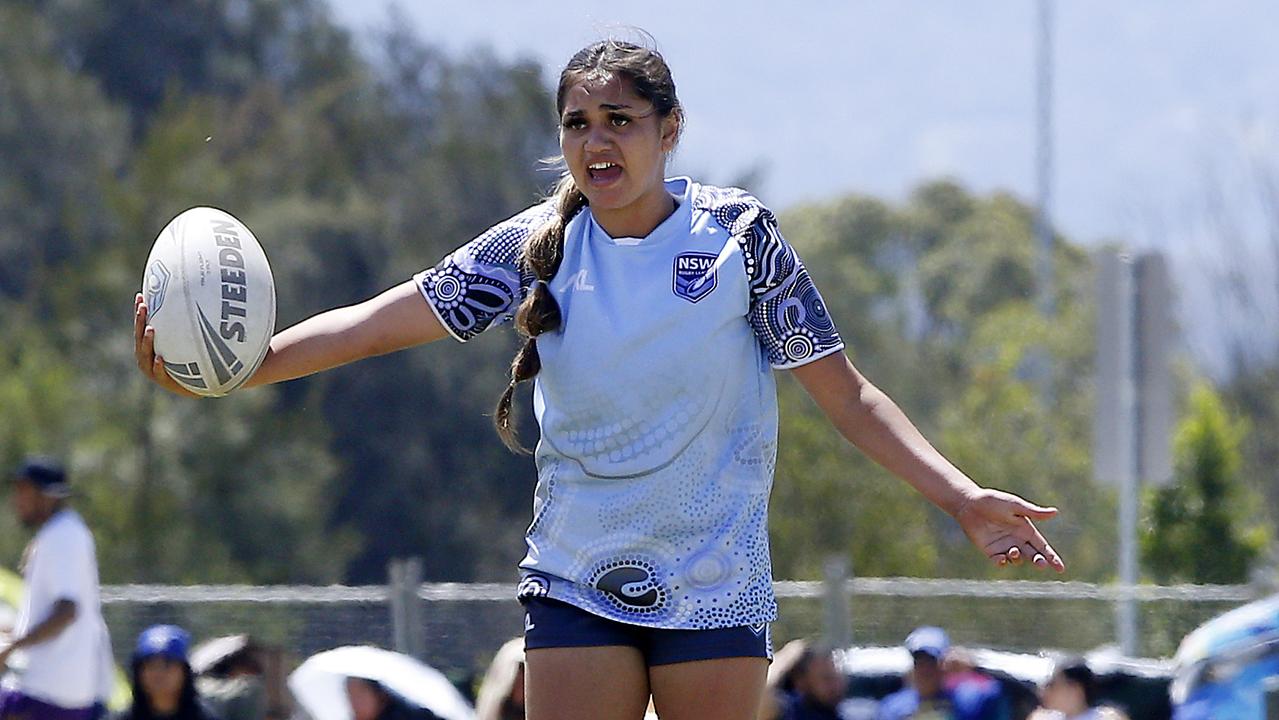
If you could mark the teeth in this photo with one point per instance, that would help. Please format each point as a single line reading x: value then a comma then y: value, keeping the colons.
x: 601, y: 165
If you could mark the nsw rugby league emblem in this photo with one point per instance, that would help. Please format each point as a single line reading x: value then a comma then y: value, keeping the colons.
x: 694, y: 275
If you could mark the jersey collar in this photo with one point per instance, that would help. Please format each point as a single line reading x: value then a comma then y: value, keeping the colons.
x: 680, y: 188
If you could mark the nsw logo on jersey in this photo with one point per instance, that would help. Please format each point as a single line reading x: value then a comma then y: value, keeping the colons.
x: 694, y: 275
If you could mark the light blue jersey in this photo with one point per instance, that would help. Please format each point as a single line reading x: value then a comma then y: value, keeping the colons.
x: 656, y: 402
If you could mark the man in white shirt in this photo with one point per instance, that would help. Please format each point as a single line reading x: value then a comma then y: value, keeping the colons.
x: 59, y: 654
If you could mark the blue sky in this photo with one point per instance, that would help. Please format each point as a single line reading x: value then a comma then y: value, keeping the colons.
x: 1157, y: 102
x: 874, y: 97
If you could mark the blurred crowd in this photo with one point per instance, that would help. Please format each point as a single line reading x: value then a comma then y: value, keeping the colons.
x: 943, y: 683
x: 225, y: 679
x: 61, y: 666
x: 222, y: 679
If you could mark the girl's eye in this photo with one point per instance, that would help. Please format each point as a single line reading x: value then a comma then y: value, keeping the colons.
x: 619, y: 120
x: 574, y: 124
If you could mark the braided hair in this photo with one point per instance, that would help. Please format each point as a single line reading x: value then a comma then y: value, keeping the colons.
x: 650, y: 78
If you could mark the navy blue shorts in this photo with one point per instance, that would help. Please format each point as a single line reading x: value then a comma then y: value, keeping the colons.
x: 553, y: 624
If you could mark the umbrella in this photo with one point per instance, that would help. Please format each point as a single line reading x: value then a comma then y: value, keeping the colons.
x: 209, y: 653
x: 319, y: 684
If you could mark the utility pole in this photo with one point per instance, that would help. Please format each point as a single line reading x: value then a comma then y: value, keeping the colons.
x: 1041, y: 359
x: 1133, y: 419
x: 1044, y: 159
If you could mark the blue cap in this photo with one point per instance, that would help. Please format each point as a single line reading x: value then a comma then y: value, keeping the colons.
x: 169, y: 641
x: 931, y: 641
x: 46, y: 474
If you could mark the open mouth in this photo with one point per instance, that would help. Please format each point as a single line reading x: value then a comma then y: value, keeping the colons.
x: 603, y: 173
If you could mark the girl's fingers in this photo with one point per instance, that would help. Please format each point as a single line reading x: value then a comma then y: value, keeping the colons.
x: 1039, y: 545
x: 1022, y: 545
x: 162, y: 378
x: 148, y: 349
x: 149, y: 363
x: 1025, y: 508
x: 139, y: 329
x: 166, y: 381
x: 1052, y: 559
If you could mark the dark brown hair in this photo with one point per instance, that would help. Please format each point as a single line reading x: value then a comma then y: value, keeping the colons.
x: 1076, y: 670
x: 650, y: 78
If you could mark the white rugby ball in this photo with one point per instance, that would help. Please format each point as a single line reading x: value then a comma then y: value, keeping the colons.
x: 211, y: 299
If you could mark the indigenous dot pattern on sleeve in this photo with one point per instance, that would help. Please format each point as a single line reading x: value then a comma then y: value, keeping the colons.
x: 481, y: 283
x: 787, y: 312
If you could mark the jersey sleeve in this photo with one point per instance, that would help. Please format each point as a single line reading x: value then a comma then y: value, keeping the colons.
x: 786, y: 311
x: 481, y: 284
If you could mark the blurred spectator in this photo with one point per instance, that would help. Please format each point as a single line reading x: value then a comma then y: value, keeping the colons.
x: 60, y: 639
x: 229, y: 677
x: 778, y: 683
x: 501, y: 695
x: 803, y: 684
x: 1071, y: 694
x: 370, y: 701
x: 163, y: 682
x: 934, y: 694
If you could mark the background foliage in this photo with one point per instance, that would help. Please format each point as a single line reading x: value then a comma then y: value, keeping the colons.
x: 358, y: 166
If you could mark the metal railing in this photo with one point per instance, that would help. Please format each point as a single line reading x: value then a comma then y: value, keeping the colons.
x: 459, y: 624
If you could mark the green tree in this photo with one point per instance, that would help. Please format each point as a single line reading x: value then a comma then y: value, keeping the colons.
x: 934, y: 299
x: 60, y: 140
x: 828, y: 498
x: 232, y: 490
x: 1199, y: 528
x: 355, y: 172
x: 1255, y: 395
x: 999, y: 430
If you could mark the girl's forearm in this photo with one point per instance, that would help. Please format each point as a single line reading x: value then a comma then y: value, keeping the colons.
x: 869, y: 419
x: 881, y: 430
x: 393, y: 320
x: 320, y: 342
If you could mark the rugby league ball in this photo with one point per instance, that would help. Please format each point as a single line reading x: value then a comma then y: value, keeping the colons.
x: 211, y: 299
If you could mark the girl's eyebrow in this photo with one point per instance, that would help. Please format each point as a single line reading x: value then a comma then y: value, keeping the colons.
x: 603, y: 106
x: 610, y: 107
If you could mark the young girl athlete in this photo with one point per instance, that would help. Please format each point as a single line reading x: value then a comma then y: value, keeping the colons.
x: 655, y: 311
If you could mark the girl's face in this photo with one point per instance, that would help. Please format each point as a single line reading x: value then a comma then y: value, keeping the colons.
x: 161, y: 677
x: 615, y: 144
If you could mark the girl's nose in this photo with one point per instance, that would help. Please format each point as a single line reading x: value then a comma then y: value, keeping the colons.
x: 598, y: 139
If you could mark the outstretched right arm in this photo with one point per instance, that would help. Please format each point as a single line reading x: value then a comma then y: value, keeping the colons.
x: 393, y: 320
x: 473, y: 288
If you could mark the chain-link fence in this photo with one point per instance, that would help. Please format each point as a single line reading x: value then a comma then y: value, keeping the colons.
x: 1026, y: 616
x: 458, y: 627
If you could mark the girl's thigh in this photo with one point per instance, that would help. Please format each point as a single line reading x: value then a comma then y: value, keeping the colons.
x: 723, y: 689
x: 585, y: 683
